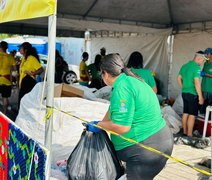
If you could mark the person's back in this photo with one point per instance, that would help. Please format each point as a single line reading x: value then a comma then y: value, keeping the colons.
x: 146, y: 75
x: 189, y: 71
x: 147, y: 118
x: 189, y: 80
x: 61, y: 66
x: 134, y: 112
x: 93, y: 71
x: 7, y: 63
x: 136, y: 64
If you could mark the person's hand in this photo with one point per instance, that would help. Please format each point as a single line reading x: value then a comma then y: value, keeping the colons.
x: 27, y: 72
x: 201, y: 100
x: 202, y: 74
x: 92, y: 128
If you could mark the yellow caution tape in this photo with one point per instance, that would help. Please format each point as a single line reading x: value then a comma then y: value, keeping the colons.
x: 48, y: 114
x: 133, y: 141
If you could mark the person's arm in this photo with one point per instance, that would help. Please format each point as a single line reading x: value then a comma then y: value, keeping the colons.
x: 199, y: 90
x: 155, y: 89
x: 109, y: 125
x: 106, y: 117
x: 152, y: 82
x: 208, y: 75
x: 34, y: 73
x: 179, y: 80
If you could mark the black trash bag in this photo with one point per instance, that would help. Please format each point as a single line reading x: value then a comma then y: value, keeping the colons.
x: 94, y: 158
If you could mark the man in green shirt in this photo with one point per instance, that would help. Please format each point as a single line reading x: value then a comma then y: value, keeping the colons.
x: 189, y: 81
x: 207, y: 80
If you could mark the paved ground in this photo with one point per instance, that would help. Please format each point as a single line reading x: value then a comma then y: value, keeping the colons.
x: 12, y: 113
x: 174, y: 170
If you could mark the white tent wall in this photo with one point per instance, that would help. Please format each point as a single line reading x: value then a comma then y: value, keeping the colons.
x: 72, y: 49
x: 185, y: 46
x: 152, y: 46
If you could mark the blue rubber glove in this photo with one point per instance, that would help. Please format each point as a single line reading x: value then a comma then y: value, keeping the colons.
x: 202, y: 74
x: 92, y: 128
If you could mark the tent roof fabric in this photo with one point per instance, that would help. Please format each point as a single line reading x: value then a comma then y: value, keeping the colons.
x: 149, y: 13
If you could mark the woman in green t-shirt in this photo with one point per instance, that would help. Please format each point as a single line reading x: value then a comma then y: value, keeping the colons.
x: 135, y: 113
x: 136, y: 64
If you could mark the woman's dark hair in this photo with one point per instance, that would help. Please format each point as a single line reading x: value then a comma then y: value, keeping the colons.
x: 97, y: 61
x: 35, y: 53
x: 58, y: 56
x: 29, y: 50
x: 113, y: 64
x: 135, y: 60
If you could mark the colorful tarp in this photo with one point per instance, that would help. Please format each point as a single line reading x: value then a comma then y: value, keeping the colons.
x: 11, y: 10
x: 20, y: 156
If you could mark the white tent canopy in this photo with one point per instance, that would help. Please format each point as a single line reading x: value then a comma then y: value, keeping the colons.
x: 179, y: 14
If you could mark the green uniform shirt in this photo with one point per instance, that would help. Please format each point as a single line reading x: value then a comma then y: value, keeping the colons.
x: 207, y: 81
x: 146, y: 75
x: 188, y: 72
x: 134, y: 104
x: 94, y: 72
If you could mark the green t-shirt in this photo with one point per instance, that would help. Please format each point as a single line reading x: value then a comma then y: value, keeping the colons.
x: 189, y: 72
x: 146, y: 75
x: 207, y: 81
x: 94, y: 72
x: 134, y: 104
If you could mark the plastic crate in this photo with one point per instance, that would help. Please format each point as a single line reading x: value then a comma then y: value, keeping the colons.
x: 201, y: 122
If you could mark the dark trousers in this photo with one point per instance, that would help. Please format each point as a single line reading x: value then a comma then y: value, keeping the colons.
x: 207, y: 102
x: 27, y: 85
x: 142, y: 164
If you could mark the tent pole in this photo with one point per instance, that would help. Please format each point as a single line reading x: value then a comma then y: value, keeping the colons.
x: 50, y: 88
x: 170, y: 54
x: 88, y: 45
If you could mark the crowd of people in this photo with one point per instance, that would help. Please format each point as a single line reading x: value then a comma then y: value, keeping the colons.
x: 134, y: 109
x: 28, y: 68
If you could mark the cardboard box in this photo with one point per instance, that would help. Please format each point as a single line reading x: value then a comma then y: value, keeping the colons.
x: 201, y: 122
x: 65, y: 90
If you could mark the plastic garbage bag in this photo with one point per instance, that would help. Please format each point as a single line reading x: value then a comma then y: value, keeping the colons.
x: 94, y: 158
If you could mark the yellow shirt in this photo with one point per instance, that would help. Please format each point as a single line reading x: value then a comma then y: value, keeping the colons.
x: 83, y: 69
x: 30, y: 64
x: 6, y: 63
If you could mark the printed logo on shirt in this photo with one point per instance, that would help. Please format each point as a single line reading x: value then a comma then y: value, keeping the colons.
x: 122, y: 107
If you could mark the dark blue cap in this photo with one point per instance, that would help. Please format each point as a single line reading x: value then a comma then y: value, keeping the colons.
x: 208, y: 51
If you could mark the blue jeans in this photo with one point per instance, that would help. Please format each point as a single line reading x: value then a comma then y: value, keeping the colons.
x: 83, y: 83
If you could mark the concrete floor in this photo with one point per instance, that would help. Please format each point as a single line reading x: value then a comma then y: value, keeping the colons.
x: 175, y: 170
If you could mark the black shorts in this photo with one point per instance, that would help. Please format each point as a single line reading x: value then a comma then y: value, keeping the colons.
x: 5, y: 91
x: 190, y: 104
